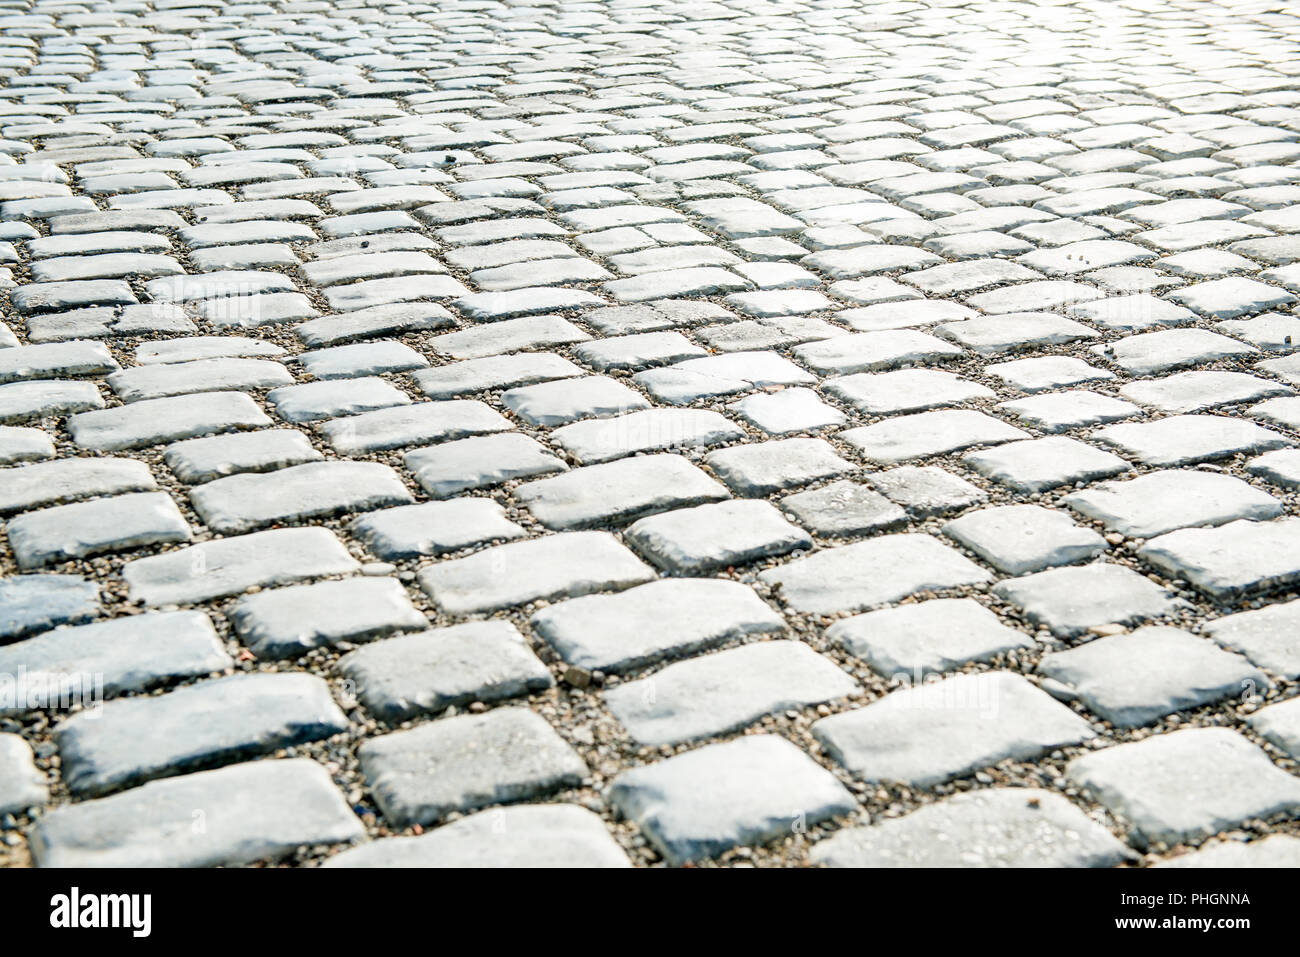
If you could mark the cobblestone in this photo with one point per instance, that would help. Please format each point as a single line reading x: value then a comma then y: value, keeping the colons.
x: 841, y: 343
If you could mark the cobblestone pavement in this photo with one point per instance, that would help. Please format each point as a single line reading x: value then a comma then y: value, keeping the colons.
x: 771, y: 433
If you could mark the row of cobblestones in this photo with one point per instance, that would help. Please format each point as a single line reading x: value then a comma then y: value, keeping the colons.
x: 646, y: 432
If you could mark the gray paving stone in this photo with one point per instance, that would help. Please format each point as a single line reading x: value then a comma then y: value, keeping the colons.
x: 383, y: 429
x: 432, y: 528
x: 214, y: 722
x: 131, y: 653
x: 55, y: 360
x: 22, y: 785
x: 245, y: 502
x: 1279, y: 724
x: 65, y: 532
x: 201, y: 375
x: 1265, y: 636
x: 763, y: 468
x: 552, y: 567
x: 1063, y: 411
x: 468, y: 464
x: 29, y: 401
x: 1186, y: 785
x: 33, y: 603
x: 1186, y: 439
x: 1240, y: 558
x: 884, y: 569
x: 465, y: 763
x: 425, y: 673
x: 510, y: 335
x: 942, y: 730
x: 790, y: 410
x: 202, y: 460
x: 708, y: 696
x: 649, y: 430
x: 262, y: 810
x: 556, y: 403
x: 1279, y: 850
x: 927, y: 490
x: 1196, y: 391
x: 904, y: 390
x: 872, y: 351
x: 228, y: 566
x: 1070, y: 601
x: 671, y: 617
x: 289, y: 622
x: 24, y: 445
x: 928, y: 637
x: 928, y: 433
x: 493, y: 372
x: 618, y: 491
x: 843, y: 510
x: 996, y: 827
x: 312, y: 401
x: 720, y: 375
x: 1017, y: 539
x: 706, y: 538
x: 548, y: 835
x: 1135, y: 679
x: 1040, y: 464
x: 1014, y: 331
x: 156, y: 421
x: 1160, y: 502
x: 700, y: 804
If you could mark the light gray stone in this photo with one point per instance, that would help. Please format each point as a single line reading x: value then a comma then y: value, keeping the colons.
x: 1024, y: 538
x: 702, y: 803
x: 402, y: 678
x: 156, y: 421
x: 32, y: 603
x: 675, y: 616
x: 726, y: 691
x: 696, y: 541
x: 1040, y: 464
x: 1266, y: 636
x: 22, y: 784
x: 468, y: 464
x: 1070, y: 601
x: 942, y: 730
x: 202, y: 460
x: 465, y: 763
x: 1160, y: 502
x: 1240, y: 558
x: 1190, y: 784
x: 262, y: 810
x: 928, y: 433
x: 123, y: 522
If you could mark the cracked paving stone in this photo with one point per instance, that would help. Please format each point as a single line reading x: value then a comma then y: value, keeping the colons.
x: 289, y: 622
x: 928, y: 433
x: 1017, y: 539
x: 242, y: 503
x: 465, y: 763
x: 675, y: 616
x: 549, y: 568
x: 65, y: 532
x: 402, y: 678
x: 1160, y: 502
x: 884, y: 569
x: 255, y: 811
x: 618, y: 491
x: 942, y: 730
x: 702, y: 803
x: 22, y: 784
x: 1186, y: 785
x: 1070, y: 601
x: 1240, y: 558
x: 133, y: 653
x: 1135, y: 679
x: 432, y: 528
x: 546, y: 835
x: 1037, y: 465
x: 928, y: 637
x: 228, y: 566
x: 997, y: 827
x: 705, y: 697
x: 696, y: 541
x: 134, y: 740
